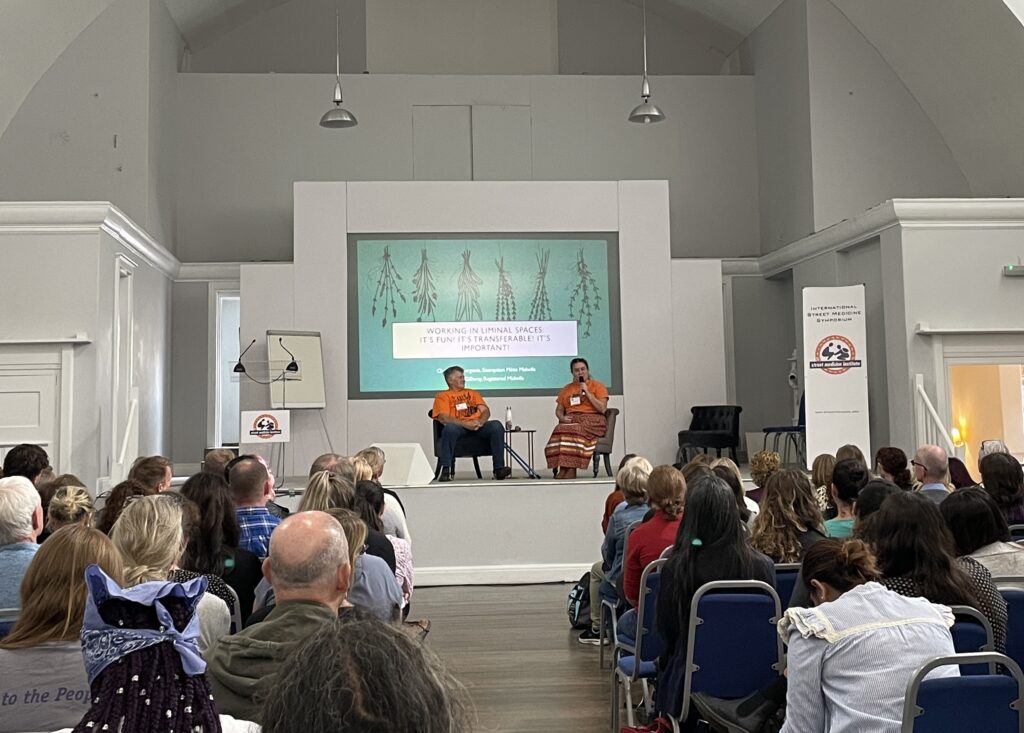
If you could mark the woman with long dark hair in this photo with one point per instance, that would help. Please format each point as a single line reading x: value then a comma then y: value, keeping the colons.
x: 711, y: 545
x: 980, y: 530
x: 917, y: 557
x: 892, y: 465
x: 1003, y: 479
x: 213, y: 539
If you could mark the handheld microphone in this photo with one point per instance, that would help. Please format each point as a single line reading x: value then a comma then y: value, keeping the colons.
x: 239, y: 367
x: 583, y: 384
x: 293, y: 366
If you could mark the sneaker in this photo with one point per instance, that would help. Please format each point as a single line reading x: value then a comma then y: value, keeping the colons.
x: 502, y: 473
x: 446, y: 474
x: 590, y: 636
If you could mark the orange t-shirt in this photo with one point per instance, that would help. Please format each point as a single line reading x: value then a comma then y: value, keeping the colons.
x: 463, y: 404
x: 570, y: 393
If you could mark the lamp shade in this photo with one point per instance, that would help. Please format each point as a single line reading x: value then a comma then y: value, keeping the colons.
x: 646, y: 113
x: 338, y: 117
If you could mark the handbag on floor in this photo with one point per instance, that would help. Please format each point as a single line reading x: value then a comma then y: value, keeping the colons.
x: 577, y: 605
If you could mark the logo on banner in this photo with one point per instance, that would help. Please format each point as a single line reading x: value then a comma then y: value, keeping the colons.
x: 835, y: 355
x: 265, y: 427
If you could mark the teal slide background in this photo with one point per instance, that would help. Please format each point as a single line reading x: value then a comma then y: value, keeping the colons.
x: 376, y: 374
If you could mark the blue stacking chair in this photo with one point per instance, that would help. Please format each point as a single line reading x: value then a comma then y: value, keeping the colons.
x: 8, y: 617
x: 972, y: 632
x: 638, y: 661
x: 608, y: 616
x: 1017, y: 532
x: 1015, y: 618
x: 733, y: 646
x: 989, y: 703
x: 786, y: 574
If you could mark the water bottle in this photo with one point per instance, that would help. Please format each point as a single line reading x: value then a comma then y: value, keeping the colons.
x: 508, y: 418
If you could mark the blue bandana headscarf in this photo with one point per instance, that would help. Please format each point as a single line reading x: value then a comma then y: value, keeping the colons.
x: 103, y: 644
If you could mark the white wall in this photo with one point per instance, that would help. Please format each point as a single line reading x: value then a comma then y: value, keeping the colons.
x: 777, y: 55
x: 698, y: 332
x: 164, y: 51
x: 234, y: 205
x: 461, y: 37
x: 190, y: 371
x: 870, y: 139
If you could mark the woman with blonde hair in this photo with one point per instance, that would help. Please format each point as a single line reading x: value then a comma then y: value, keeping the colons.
x: 727, y: 470
x: 69, y: 505
x: 762, y: 465
x: 150, y: 533
x: 374, y: 587
x: 326, y: 489
x: 393, y: 517
x: 43, y: 650
x: 364, y: 471
x: 789, y: 521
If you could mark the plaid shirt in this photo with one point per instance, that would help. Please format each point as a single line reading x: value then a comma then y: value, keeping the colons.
x: 255, y: 524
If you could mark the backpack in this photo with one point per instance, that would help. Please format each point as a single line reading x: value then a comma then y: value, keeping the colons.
x: 577, y: 605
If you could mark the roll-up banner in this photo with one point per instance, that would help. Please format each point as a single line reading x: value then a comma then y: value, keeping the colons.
x: 835, y: 370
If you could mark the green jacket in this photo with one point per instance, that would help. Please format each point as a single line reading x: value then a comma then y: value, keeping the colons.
x: 241, y: 668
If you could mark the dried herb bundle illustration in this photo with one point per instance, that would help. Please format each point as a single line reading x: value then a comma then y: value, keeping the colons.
x: 540, y: 307
x: 468, y: 306
x: 505, y: 309
x: 424, y: 293
x: 586, y: 298
x: 387, y: 291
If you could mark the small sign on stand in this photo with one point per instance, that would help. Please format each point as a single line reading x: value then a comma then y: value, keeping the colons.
x: 266, y: 426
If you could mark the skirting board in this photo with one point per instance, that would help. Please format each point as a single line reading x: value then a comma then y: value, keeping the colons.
x: 498, y: 574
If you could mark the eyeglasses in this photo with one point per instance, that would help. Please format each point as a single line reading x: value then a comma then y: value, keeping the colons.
x: 915, y: 463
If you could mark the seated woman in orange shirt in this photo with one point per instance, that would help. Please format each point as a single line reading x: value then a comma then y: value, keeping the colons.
x: 580, y: 410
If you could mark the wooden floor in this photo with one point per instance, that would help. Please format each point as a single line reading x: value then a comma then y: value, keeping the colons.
x: 513, y: 649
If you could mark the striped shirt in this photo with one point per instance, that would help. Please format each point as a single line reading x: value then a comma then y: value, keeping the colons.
x: 255, y: 524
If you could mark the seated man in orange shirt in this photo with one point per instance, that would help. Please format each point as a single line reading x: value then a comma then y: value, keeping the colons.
x: 463, y: 411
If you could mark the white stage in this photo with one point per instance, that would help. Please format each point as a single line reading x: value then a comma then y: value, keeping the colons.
x: 502, y: 532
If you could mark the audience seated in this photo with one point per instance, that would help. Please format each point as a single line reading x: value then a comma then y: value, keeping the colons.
x: 1003, y: 479
x: 736, y: 484
x: 357, y: 659
x: 959, y: 476
x: 21, y: 521
x: 373, y: 500
x: 28, y: 460
x: 848, y: 477
x: 710, y: 545
x: 145, y: 670
x: 850, y: 452
x: 43, y: 652
x: 217, y: 460
x: 309, y: 569
x: 931, y: 466
x: 666, y: 492
x: 150, y: 533
x: 251, y: 488
x: 116, y: 500
x: 374, y: 588
x: 916, y: 557
x: 69, y: 505
x: 153, y: 471
x: 212, y: 548
x: 980, y: 531
x: 789, y: 521
x: 850, y: 657
x: 394, y: 518
x: 992, y: 446
x: 338, y: 465
x: 615, y: 497
x: 606, y: 574
x: 749, y: 508
x: 762, y: 465
x: 214, y: 583
x: 329, y: 490
x: 892, y: 465
x: 821, y: 479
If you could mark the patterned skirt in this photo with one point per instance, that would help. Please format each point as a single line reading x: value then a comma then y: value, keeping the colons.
x: 572, y: 444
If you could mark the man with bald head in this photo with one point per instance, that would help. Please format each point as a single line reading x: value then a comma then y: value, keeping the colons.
x: 930, y: 466
x: 309, y: 569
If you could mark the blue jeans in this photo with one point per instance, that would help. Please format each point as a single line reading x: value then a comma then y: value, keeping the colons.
x: 492, y: 431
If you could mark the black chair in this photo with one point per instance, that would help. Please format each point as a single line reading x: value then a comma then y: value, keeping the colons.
x: 795, y: 435
x: 604, y: 444
x: 712, y: 426
x: 469, y: 446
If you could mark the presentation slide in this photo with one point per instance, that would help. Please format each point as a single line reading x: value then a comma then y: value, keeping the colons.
x: 511, y: 310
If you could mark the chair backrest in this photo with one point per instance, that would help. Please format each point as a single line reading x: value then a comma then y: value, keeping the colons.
x: 649, y: 643
x: 972, y: 632
x: 724, y: 418
x: 8, y: 617
x: 605, y: 442
x: 236, y: 611
x: 802, y: 415
x: 733, y: 646
x: 1017, y: 531
x: 1015, y: 620
x: 786, y: 574
x: 990, y: 703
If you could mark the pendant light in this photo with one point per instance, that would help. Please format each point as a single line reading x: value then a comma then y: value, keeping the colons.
x: 338, y: 116
x: 645, y: 112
